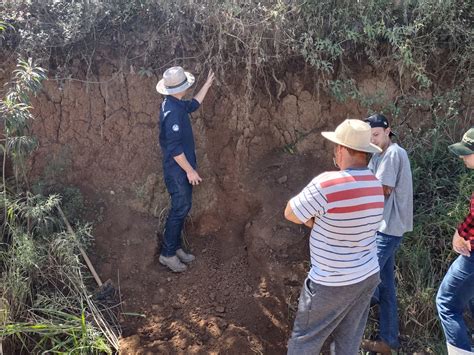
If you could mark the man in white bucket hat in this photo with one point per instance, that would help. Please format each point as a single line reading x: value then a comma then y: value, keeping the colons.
x: 179, y: 159
x: 344, y: 210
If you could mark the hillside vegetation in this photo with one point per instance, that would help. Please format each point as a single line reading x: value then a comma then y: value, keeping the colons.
x: 426, y: 45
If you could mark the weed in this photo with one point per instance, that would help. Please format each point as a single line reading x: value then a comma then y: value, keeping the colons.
x: 45, y: 304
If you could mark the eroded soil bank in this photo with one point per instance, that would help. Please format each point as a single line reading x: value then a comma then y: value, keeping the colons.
x: 98, y: 133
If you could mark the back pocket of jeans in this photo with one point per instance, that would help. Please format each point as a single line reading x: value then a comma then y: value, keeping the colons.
x: 307, y: 287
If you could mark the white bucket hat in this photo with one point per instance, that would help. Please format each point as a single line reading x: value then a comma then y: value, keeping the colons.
x: 354, y: 134
x: 175, y: 80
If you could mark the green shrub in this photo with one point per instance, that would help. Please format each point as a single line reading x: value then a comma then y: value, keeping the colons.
x: 45, y: 305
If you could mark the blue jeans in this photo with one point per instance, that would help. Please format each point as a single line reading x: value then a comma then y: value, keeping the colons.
x: 181, y: 192
x: 385, y: 294
x: 454, y: 295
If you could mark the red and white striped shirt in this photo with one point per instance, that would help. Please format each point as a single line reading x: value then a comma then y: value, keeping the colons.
x: 348, y: 209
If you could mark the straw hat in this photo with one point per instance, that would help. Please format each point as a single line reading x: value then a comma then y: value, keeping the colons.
x: 175, y: 80
x: 354, y: 134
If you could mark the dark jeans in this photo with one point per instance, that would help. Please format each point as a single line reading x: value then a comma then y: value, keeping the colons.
x: 181, y: 192
x: 454, y: 296
x: 385, y: 294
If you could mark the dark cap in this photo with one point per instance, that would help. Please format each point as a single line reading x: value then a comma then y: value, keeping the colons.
x: 379, y: 120
x: 465, y: 146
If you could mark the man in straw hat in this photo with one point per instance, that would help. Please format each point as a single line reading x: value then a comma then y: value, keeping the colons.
x: 392, y: 168
x: 343, y: 209
x: 457, y: 287
x: 179, y: 158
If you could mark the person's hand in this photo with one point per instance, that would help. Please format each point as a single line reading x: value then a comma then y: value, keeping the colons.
x: 210, y: 78
x: 310, y: 223
x: 461, y: 245
x: 387, y: 190
x: 193, y: 177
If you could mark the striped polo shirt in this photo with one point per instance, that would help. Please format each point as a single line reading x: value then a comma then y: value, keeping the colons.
x: 348, y: 209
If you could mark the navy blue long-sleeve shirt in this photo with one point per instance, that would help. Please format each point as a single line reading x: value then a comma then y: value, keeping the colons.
x: 176, y: 133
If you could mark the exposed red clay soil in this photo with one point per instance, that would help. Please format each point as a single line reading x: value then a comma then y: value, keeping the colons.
x: 238, y: 297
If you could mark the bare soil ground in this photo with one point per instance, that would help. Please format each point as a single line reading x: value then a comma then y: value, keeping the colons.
x: 238, y: 297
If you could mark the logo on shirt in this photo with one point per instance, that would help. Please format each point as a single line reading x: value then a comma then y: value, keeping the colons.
x: 175, y: 128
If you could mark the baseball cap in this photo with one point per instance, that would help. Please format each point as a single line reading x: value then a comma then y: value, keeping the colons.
x: 466, y: 145
x: 379, y: 120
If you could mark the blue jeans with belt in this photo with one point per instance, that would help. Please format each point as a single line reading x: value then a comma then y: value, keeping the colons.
x: 385, y: 294
x: 180, y: 191
x: 454, y: 296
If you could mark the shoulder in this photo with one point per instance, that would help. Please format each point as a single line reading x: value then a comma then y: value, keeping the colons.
x: 174, y: 105
x: 401, y: 154
x: 327, y: 177
x: 192, y: 105
x: 395, y: 153
x: 395, y: 149
x: 193, y: 101
x: 171, y: 112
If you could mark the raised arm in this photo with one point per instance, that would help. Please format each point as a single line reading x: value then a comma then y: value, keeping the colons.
x: 202, y: 93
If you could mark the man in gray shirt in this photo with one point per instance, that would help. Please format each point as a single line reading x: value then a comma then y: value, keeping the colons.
x: 392, y: 168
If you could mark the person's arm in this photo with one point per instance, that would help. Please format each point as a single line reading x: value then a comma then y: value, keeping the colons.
x: 461, y: 245
x: 465, y: 228
x: 306, y: 206
x: 199, y: 97
x: 172, y: 127
x: 290, y: 215
x: 193, y: 176
x: 387, y: 172
x: 387, y: 190
x: 461, y: 242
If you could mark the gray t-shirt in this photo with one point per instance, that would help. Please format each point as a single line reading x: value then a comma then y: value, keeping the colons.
x: 392, y: 168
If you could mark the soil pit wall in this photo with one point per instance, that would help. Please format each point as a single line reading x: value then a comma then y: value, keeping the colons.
x: 99, y: 134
